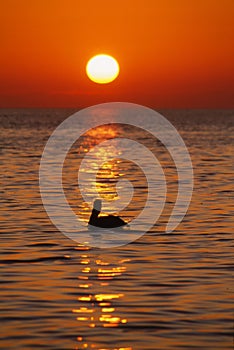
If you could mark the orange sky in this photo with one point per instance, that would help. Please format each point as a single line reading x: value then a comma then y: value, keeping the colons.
x: 174, y: 53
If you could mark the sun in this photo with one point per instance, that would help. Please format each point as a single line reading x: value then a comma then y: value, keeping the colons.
x: 102, y: 69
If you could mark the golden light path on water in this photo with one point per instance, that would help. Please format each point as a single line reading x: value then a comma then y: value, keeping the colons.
x: 98, y: 310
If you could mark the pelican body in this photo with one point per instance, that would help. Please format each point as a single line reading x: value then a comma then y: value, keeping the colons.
x: 108, y: 221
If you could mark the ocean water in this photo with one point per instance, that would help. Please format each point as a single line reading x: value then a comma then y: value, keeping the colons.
x: 162, y: 291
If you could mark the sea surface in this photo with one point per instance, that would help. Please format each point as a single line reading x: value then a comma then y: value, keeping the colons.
x: 162, y: 291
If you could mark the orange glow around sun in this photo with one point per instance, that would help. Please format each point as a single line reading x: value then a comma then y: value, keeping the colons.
x: 172, y: 54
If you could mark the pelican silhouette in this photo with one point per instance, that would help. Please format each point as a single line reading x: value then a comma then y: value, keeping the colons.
x: 108, y: 221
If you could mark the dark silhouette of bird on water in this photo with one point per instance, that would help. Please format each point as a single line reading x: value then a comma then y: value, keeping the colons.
x: 108, y: 221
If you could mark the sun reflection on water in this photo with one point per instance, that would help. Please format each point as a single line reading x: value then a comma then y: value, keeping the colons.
x: 98, y: 307
x: 108, y: 174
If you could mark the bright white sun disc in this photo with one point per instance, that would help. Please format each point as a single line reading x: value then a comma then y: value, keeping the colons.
x: 102, y: 69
